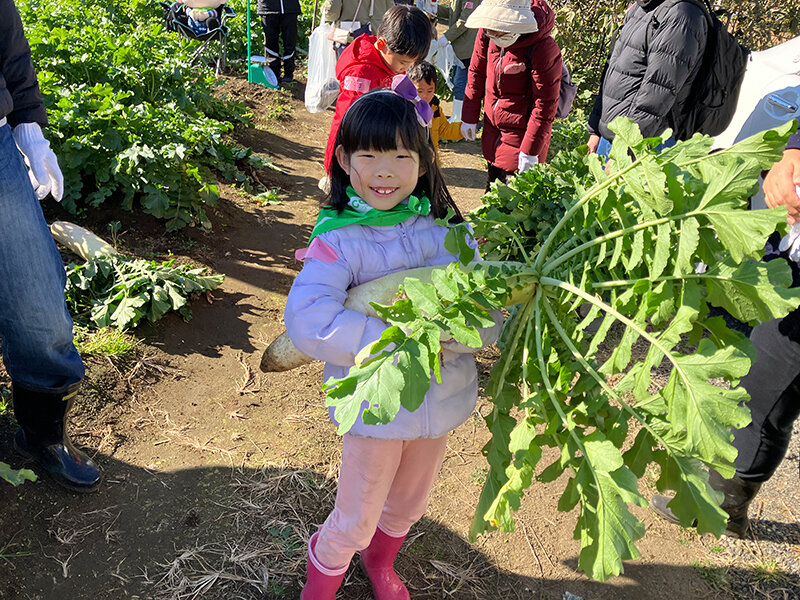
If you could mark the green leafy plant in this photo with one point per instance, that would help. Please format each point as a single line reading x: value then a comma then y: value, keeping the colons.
x: 270, y: 197
x: 624, y: 247
x: 16, y: 476
x: 117, y: 291
x: 111, y: 343
x: 129, y: 119
x: 13, y: 476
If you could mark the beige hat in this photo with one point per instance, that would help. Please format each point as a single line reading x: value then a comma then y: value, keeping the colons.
x: 508, y: 16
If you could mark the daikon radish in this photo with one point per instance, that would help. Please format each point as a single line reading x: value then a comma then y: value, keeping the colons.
x: 80, y: 241
x: 282, y: 355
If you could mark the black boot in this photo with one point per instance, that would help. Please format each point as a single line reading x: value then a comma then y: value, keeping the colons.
x: 42, y: 436
x: 739, y: 493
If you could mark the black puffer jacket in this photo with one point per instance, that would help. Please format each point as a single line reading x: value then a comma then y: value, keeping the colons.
x: 20, y: 99
x: 272, y: 7
x: 652, y: 66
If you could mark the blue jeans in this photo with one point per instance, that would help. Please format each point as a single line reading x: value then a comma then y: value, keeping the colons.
x: 604, y: 147
x: 35, y: 326
x: 460, y: 75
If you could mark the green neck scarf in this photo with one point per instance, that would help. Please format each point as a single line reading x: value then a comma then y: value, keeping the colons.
x: 359, y: 212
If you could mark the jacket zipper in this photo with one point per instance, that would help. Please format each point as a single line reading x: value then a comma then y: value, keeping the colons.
x: 499, y: 70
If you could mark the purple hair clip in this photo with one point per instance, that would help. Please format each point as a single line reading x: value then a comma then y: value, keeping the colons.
x: 405, y: 88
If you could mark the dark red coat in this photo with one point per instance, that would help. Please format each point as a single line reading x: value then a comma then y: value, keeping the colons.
x: 359, y: 69
x: 519, y: 88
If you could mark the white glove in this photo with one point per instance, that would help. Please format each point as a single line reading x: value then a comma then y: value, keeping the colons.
x: 526, y: 161
x: 469, y: 130
x: 442, y: 42
x: 44, y: 173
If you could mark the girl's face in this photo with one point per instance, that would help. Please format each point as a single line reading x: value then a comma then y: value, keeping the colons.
x: 383, y: 179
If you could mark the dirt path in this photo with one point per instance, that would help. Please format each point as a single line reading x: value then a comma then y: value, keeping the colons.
x: 215, y: 474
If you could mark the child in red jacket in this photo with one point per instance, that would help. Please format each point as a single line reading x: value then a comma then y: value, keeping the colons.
x: 371, y: 61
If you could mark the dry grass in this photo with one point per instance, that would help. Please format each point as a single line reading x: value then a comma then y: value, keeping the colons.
x: 267, y: 523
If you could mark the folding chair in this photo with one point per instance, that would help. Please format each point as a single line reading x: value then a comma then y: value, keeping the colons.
x: 176, y: 19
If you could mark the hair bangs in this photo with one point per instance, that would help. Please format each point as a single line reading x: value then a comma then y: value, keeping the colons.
x: 378, y: 121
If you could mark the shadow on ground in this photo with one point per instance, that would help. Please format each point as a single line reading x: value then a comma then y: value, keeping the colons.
x: 216, y: 532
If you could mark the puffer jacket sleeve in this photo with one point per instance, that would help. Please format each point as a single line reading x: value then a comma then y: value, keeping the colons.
x: 676, y: 47
x: 546, y: 82
x: 316, y: 320
x: 17, y: 77
x: 476, y: 80
x: 794, y: 140
x: 593, y: 123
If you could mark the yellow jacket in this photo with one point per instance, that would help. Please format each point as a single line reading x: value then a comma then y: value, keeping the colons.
x: 442, y: 129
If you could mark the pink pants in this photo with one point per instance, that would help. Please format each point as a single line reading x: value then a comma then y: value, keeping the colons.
x: 382, y: 483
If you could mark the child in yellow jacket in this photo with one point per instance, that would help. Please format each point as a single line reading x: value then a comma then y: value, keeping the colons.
x: 424, y: 76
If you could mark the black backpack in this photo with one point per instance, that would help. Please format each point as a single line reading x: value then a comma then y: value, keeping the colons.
x: 712, y: 101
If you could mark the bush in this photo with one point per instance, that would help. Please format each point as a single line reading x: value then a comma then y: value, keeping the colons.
x: 129, y: 119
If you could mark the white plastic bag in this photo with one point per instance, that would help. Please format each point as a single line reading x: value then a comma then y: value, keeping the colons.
x: 444, y: 59
x: 322, y: 87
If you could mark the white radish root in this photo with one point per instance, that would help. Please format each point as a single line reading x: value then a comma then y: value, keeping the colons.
x: 282, y: 355
x: 80, y: 241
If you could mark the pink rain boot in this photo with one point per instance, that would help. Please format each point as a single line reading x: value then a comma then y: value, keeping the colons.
x: 321, y: 582
x: 377, y: 560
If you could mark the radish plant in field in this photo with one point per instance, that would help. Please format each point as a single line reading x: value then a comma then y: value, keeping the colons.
x: 625, y: 246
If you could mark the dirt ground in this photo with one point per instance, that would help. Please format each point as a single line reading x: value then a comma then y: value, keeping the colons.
x: 216, y: 474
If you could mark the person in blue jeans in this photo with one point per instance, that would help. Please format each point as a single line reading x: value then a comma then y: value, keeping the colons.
x: 774, y: 378
x: 35, y: 326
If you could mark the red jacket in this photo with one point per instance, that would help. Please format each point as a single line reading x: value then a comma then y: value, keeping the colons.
x: 359, y: 70
x: 519, y: 87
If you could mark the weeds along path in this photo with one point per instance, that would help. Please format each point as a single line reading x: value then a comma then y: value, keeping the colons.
x: 216, y: 474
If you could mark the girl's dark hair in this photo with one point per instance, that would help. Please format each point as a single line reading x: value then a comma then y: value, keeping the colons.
x: 407, y: 31
x: 377, y: 121
x: 423, y: 71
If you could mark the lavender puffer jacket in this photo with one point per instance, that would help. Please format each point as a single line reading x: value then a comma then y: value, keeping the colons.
x: 322, y: 328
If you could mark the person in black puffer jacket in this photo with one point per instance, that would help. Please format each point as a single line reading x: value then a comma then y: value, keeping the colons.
x: 279, y: 19
x: 651, y: 68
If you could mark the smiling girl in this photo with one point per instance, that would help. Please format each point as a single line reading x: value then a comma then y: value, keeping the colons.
x: 385, y: 195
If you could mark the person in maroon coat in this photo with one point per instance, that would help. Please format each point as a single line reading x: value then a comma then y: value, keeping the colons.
x: 516, y: 71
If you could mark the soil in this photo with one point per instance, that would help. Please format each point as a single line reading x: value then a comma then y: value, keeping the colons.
x: 216, y: 474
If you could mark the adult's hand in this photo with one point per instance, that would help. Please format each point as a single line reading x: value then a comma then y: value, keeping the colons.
x: 44, y: 173
x: 593, y: 143
x: 526, y: 161
x: 780, y: 185
x: 469, y: 131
